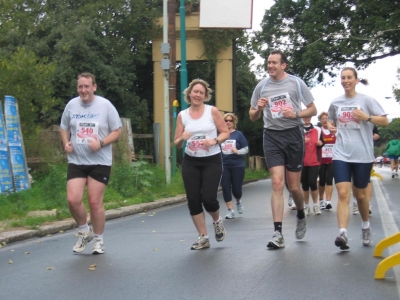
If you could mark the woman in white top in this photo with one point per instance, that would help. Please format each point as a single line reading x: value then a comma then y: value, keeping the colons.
x: 199, y: 125
x: 352, y: 118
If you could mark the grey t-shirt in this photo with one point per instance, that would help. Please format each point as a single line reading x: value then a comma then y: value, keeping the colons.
x: 90, y: 121
x: 354, y: 141
x: 288, y: 92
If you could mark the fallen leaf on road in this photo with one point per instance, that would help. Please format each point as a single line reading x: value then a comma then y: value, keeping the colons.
x: 12, y: 250
x: 50, y: 268
x: 61, y: 231
x: 155, y: 249
x: 181, y: 240
x: 76, y: 234
x: 27, y: 252
x: 4, y: 243
x: 153, y: 231
x: 10, y: 262
x: 92, y: 269
x: 48, y: 235
x: 93, y: 265
x: 346, y: 264
x: 142, y: 221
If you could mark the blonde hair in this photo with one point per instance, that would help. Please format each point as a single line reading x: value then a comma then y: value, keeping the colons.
x: 234, y: 118
x: 189, y: 89
x: 324, y: 113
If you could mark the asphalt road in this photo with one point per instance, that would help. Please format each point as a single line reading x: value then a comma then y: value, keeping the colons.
x: 148, y: 256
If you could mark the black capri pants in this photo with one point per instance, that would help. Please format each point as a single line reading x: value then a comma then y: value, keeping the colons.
x: 201, y: 177
x: 326, y: 174
x: 309, y: 177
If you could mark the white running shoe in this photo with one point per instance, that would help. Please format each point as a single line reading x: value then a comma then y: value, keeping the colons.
x: 230, y: 214
x: 317, y: 210
x: 366, y: 236
x: 240, y: 207
x: 98, y: 246
x: 355, y: 208
x: 83, y: 239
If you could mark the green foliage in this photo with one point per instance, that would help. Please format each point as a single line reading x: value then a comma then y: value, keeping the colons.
x: 320, y: 36
x: 28, y: 79
x: 215, y: 40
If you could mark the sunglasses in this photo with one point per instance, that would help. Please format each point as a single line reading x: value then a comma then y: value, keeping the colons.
x: 226, y: 120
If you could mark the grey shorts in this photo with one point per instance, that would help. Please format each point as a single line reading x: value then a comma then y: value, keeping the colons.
x: 284, y: 148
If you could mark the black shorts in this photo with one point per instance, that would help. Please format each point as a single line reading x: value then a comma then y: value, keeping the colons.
x: 100, y: 173
x: 284, y: 148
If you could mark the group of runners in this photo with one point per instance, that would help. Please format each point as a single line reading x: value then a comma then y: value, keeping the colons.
x: 214, y: 150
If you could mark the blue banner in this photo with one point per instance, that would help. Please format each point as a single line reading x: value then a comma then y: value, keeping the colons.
x: 6, y: 185
x: 15, y: 145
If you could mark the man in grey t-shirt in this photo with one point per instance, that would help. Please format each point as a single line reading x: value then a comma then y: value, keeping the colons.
x: 89, y: 126
x: 279, y: 98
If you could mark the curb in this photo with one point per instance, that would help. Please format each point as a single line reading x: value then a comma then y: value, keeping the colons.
x: 55, y: 227
x: 10, y: 236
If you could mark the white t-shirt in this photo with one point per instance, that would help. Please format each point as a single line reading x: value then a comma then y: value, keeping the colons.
x: 90, y: 121
x: 354, y: 143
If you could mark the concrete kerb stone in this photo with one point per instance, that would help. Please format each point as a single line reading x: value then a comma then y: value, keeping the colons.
x: 55, y: 227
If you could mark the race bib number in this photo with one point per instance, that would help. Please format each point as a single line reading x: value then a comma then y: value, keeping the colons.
x: 227, y: 146
x: 345, y: 117
x: 277, y: 103
x: 196, y: 145
x: 327, y: 151
x: 86, y: 131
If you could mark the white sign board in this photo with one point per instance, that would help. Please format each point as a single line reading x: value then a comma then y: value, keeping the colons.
x: 226, y: 13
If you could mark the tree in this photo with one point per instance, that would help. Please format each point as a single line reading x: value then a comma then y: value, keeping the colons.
x: 396, y: 88
x: 320, y: 36
x: 28, y: 79
x: 111, y: 39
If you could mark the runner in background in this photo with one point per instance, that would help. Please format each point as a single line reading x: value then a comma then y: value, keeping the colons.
x: 313, y: 142
x: 233, y: 150
x: 326, y: 168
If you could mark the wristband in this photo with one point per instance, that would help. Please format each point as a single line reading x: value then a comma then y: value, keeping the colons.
x: 215, y: 139
x: 101, y: 143
x: 297, y: 114
x: 369, y: 119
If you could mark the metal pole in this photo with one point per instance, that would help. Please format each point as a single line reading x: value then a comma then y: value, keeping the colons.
x: 167, y: 138
x: 175, y: 105
x: 184, y: 74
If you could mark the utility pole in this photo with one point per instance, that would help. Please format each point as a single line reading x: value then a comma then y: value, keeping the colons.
x: 172, y: 74
x: 165, y: 65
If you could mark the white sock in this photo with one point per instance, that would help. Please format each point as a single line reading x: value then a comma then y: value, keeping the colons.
x: 219, y: 219
x: 98, y: 236
x: 328, y: 202
x: 84, y: 228
x: 365, y: 225
x: 342, y: 230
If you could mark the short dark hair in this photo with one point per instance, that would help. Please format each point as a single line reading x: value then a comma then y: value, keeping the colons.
x: 283, y: 55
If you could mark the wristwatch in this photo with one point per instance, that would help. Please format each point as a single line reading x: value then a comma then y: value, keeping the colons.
x: 215, y: 139
x: 101, y: 143
x: 297, y: 114
x: 369, y: 119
